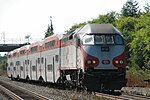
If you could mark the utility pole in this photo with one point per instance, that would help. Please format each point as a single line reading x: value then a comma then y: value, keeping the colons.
x: 51, y: 27
x: 3, y: 36
x: 27, y: 37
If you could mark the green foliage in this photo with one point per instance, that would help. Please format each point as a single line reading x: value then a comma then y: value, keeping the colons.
x: 75, y: 26
x: 108, y: 18
x: 140, y: 46
x: 130, y: 9
x: 147, y: 8
x: 50, y: 29
x: 127, y: 26
x: 3, y: 61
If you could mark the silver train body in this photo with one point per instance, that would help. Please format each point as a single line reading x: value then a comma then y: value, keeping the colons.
x: 92, y: 56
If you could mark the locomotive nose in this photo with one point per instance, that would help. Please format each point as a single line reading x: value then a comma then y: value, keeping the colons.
x: 109, y: 57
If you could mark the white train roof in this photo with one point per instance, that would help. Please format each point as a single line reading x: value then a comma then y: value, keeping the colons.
x: 25, y: 47
x: 38, y: 43
x: 98, y: 29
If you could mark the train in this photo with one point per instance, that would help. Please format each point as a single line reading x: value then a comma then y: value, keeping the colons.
x: 92, y: 56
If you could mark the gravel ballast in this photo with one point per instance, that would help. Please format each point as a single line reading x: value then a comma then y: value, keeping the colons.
x: 52, y: 93
x: 145, y: 91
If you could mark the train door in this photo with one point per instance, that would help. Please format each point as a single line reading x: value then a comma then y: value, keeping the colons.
x: 71, y: 54
x: 34, y: 70
x: 42, y: 68
x: 27, y: 68
x: 49, y: 69
x: 17, y: 69
x: 45, y: 71
x: 53, y: 70
x: 20, y: 68
x: 13, y: 72
x: 63, y: 57
x: 14, y: 68
x: 23, y: 69
x: 30, y: 70
x: 11, y: 69
x: 38, y: 71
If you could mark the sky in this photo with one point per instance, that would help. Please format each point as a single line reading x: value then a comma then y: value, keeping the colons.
x: 19, y: 18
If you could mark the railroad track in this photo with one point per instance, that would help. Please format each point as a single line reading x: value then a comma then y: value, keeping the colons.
x: 18, y: 93
x: 27, y: 95
x: 134, y: 97
x: 123, y: 97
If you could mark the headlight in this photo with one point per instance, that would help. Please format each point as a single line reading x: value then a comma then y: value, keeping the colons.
x: 89, y: 62
x: 121, y: 61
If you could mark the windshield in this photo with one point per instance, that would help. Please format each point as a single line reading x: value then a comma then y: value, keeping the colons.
x: 102, y: 39
x: 88, y: 39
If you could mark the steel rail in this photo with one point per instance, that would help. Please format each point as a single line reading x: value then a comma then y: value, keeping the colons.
x: 112, y: 97
x: 10, y: 94
x: 136, y: 97
x: 38, y: 96
x: 122, y: 97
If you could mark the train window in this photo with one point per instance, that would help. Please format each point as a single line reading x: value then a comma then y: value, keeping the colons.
x: 9, y: 56
x: 50, y: 44
x: 34, y: 49
x: 22, y: 52
x: 104, y: 39
x: 11, y: 64
x: 109, y: 39
x: 25, y: 62
x: 14, y: 68
x: 49, y: 67
x: 9, y: 68
x: 99, y: 39
x: 65, y: 39
x: 28, y: 62
x: 6, y: 64
x: 21, y: 68
x: 118, y: 39
x: 56, y: 58
x: 17, y: 63
x: 38, y: 60
x: 33, y: 68
x: 42, y: 60
x: 14, y: 54
x: 88, y: 39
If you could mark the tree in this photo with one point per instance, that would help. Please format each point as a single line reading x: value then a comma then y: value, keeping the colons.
x: 50, y: 29
x: 127, y: 26
x: 130, y: 9
x: 75, y: 26
x: 140, y: 46
x: 107, y: 18
x: 3, y: 61
x: 147, y: 8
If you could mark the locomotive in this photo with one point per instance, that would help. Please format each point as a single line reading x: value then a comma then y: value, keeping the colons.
x: 92, y: 56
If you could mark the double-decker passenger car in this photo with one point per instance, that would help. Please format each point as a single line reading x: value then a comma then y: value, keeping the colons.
x: 92, y: 56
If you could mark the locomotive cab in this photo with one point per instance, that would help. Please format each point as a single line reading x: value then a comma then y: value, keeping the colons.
x: 104, y: 57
